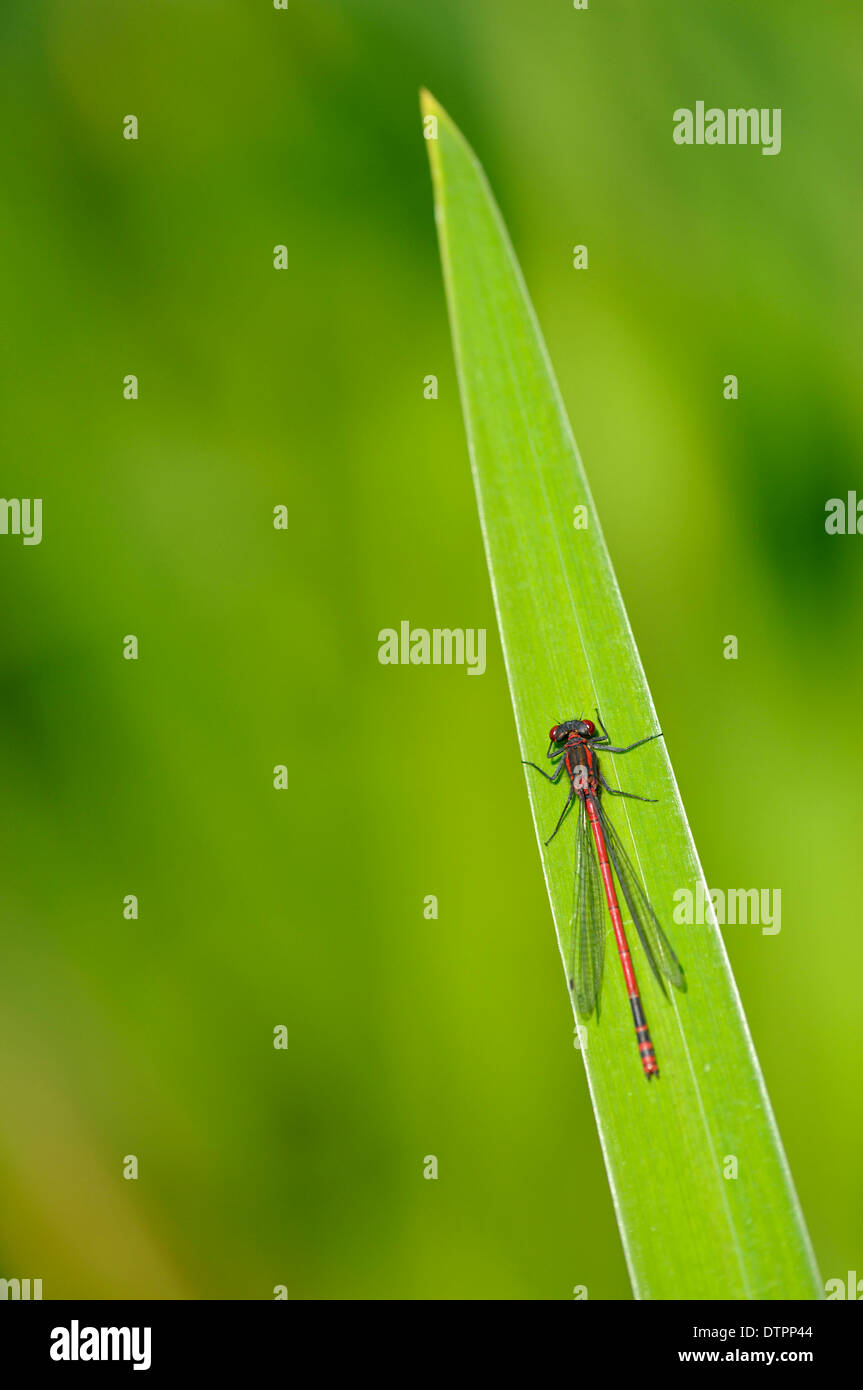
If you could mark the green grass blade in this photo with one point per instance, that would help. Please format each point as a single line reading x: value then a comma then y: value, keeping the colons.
x: 690, y: 1228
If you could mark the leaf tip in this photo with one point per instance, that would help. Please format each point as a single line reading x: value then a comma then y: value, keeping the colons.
x: 428, y: 105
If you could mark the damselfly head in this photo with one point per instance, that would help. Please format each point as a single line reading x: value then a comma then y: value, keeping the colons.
x: 559, y: 733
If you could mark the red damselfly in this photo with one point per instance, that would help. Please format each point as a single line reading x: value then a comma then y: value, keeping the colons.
x: 573, y: 747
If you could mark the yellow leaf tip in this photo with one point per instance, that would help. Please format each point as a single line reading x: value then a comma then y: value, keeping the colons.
x: 429, y: 105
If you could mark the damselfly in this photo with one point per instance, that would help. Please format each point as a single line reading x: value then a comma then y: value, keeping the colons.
x: 573, y: 746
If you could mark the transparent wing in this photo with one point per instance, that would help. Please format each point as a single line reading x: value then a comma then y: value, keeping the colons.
x: 657, y: 947
x: 587, y: 950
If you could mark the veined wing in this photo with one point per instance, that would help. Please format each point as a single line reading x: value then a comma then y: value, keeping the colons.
x: 587, y: 950
x: 657, y: 947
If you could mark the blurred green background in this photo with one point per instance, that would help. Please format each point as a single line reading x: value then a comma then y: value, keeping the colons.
x: 258, y: 647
